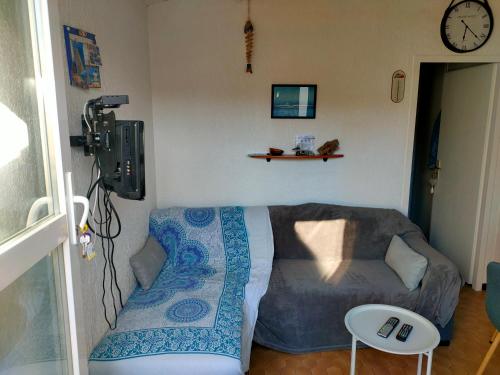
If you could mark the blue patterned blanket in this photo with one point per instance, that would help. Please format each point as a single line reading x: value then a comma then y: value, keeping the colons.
x: 195, y: 304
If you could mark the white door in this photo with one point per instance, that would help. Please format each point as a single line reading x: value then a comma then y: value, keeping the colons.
x: 466, y: 114
x: 37, y: 314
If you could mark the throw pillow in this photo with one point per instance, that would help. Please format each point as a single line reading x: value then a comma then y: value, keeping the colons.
x: 406, y: 262
x: 147, y: 263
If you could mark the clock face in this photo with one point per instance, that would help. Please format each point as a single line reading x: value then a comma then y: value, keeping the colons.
x: 466, y: 26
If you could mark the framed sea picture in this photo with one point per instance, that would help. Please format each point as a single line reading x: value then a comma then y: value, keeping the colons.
x: 294, y: 101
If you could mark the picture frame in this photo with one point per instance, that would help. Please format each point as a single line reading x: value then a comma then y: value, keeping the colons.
x: 294, y: 101
x: 84, y: 58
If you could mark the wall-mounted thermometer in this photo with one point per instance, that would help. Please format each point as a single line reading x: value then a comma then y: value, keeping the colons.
x: 398, y: 86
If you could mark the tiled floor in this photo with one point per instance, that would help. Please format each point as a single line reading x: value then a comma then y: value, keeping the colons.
x: 472, y: 333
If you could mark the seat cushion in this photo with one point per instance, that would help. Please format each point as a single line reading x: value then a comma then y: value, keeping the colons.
x: 307, y: 300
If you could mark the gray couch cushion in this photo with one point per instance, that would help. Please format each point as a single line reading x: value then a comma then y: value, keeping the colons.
x: 314, y: 296
x: 147, y: 263
x: 331, y: 232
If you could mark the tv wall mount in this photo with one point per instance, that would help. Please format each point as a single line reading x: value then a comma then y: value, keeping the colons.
x: 92, y: 115
x: 117, y: 145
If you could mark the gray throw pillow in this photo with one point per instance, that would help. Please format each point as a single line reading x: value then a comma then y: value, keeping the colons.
x: 147, y: 263
x: 406, y: 262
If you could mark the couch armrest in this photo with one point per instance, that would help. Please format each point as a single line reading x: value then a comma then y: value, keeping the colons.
x: 441, y: 284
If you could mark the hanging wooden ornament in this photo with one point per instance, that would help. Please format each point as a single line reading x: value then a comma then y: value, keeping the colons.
x: 249, y: 34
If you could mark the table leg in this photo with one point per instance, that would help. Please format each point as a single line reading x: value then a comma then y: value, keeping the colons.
x: 429, y: 363
x: 419, y: 368
x: 353, y: 356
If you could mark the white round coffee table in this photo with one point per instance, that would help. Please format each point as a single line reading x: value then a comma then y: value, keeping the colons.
x: 363, y: 322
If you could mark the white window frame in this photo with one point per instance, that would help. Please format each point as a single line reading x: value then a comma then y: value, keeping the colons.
x: 25, y: 249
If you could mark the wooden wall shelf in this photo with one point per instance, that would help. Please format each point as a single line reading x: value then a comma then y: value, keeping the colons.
x: 295, y: 157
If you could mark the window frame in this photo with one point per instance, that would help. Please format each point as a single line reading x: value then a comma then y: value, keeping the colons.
x: 50, y: 235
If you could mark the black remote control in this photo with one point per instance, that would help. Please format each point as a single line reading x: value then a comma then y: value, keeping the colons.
x: 388, y: 327
x: 404, y: 332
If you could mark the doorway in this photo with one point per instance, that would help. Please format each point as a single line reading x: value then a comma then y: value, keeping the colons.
x: 451, y: 158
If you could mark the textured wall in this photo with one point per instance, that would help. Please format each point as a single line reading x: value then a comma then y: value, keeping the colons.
x: 208, y: 114
x: 121, y: 31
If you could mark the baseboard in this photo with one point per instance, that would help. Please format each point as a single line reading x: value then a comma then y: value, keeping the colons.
x: 467, y: 285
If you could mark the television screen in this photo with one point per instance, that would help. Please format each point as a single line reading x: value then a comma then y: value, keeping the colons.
x: 121, y: 156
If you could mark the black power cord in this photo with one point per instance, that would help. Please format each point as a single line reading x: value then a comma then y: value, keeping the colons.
x: 103, y: 219
x: 109, y: 204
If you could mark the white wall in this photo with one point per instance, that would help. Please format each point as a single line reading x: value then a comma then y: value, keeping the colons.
x: 121, y: 31
x: 209, y: 114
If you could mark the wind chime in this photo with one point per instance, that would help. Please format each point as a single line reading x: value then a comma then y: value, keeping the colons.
x: 249, y: 33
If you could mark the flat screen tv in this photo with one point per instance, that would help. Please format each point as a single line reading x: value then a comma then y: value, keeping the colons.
x: 121, y: 156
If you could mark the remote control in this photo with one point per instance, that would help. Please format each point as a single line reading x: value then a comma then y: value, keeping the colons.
x: 404, y: 332
x: 388, y: 327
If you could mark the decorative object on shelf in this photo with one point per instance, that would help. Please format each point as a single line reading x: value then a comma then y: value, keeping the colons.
x: 249, y: 34
x: 329, y: 147
x: 466, y: 25
x: 304, y: 144
x: 276, y: 151
x: 295, y: 157
x: 398, y: 86
x: 84, y: 58
x: 293, y: 101
x: 299, y: 152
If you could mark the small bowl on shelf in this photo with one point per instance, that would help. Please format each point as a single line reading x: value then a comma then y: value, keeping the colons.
x: 275, y: 151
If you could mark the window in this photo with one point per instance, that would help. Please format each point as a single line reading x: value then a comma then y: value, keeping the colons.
x: 36, y: 300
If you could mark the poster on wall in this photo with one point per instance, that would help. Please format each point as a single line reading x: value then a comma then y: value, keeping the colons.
x: 84, y: 58
x: 293, y: 101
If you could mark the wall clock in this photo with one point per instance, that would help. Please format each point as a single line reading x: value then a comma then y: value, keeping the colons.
x: 466, y: 25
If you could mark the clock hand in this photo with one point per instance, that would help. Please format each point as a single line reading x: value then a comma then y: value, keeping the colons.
x: 465, y: 32
x: 473, y: 33
x: 467, y: 27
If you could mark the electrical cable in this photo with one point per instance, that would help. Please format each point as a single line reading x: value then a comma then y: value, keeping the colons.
x: 103, y: 216
x: 106, y: 248
x: 98, y: 183
x: 111, y: 248
x: 112, y: 242
x: 94, y: 207
x: 85, y: 113
x: 105, y: 221
x: 91, y: 211
x: 103, y: 299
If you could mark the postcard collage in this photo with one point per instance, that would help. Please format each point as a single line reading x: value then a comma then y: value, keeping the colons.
x: 84, y: 58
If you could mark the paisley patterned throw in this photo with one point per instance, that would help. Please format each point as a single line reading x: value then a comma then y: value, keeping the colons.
x: 195, y: 304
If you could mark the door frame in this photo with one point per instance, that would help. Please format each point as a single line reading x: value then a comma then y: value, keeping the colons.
x: 486, y: 234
